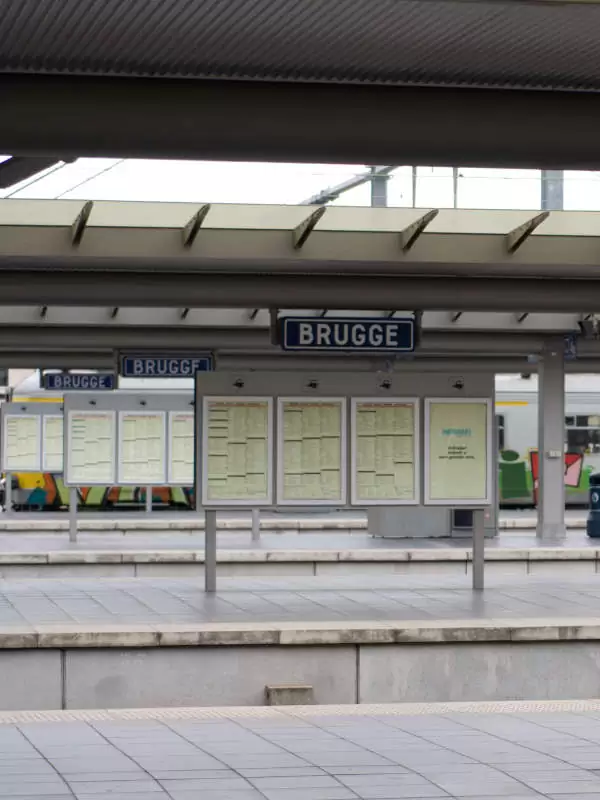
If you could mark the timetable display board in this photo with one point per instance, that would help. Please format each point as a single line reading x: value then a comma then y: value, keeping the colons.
x: 91, y: 448
x: 142, y: 449
x: 181, y: 448
x: 385, y: 451
x: 458, y: 449
x: 21, y: 442
x: 52, y: 439
x: 237, y: 451
x: 311, y: 450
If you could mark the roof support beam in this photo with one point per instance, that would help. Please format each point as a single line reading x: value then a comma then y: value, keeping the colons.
x: 304, y: 230
x: 410, y: 234
x: 312, y: 123
x: 516, y: 237
x: 81, y: 221
x: 339, y: 292
x: 192, y: 229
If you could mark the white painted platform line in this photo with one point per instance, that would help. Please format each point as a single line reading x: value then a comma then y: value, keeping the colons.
x: 367, y: 710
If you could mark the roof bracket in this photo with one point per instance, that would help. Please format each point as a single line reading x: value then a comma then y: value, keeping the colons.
x: 43, y: 312
x: 306, y: 227
x: 522, y: 317
x: 410, y: 234
x: 516, y: 237
x: 192, y: 228
x: 113, y: 312
x: 456, y: 316
x: 78, y: 227
x: 183, y: 313
x: 252, y: 315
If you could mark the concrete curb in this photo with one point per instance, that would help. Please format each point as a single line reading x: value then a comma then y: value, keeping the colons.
x: 299, y: 634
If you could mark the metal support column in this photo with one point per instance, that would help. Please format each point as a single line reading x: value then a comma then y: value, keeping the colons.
x: 551, y: 444
x: 210, y: 552
x: 8, y: 494
x: 478, y: 548
x: 255, y: 524
x: 73, y: 514
x: 378, y: 189
x: 553, y: 181
x: 148, y: 499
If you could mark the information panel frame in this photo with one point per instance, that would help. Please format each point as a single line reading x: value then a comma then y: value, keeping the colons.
x: 258, y: 502
x: 69, y: 478
x: 160, y: 480
x: 470, y: 502
x: 342, y: 499
x: 355, y: 500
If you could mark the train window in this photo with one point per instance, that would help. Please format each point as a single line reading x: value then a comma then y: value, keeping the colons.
x: 583, y: 433
x: 500, y: 429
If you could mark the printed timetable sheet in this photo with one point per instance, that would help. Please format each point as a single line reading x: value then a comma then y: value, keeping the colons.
x: 142, y: 448
x: 236, y: 450
x: 91, y: 448
x: 52, y: 438
x: 311, y: 451
x: 384, y: 451
x: 181, y: 461
x: 22, y: 443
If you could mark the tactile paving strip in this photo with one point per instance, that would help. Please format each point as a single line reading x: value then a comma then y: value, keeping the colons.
x: 392, y: 709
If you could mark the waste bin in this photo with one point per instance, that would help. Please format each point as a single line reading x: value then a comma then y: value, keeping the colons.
x: 593, y: 520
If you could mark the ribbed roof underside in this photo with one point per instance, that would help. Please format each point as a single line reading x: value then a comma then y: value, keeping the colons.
x: 548, y: 45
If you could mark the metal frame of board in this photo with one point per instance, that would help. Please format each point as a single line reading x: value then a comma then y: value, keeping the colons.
x: 119, y: 403
x: 34, y: 410
x: 469, y: 502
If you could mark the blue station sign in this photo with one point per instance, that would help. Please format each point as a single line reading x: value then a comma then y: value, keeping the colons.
x: 82, y: 382
x: 360, y: 334
x: 165, y: 366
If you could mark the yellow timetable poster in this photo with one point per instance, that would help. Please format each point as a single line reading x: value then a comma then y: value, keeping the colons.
x: 384, y: 451
x: 236, y: 457
x: 458, y: 451
x: 52, y: 459
x: 142, y: 448
x: 311, y: 450
x: 181, y: 464
x: 91, y: 448
x: 22, y: 443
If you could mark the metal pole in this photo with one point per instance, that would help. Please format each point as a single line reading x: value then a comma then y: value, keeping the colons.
x: 8, y: 494
x: 455, y: 187
x: 255, y: 524
x: 210, y: 552
x: 478, y: 548
x: 148, y: 499
x: 73, y: 514
x: 414, y: 187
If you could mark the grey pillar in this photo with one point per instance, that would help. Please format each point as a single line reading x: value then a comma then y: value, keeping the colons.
x: 378, y: 190
x: 148, y: 499
x: 72, y: 514
x: 255, y: 524
x: 551, y: 443
x: 478, y: 548
x: 552, y: 190
x: 8, y: 494
x: 210, y: 551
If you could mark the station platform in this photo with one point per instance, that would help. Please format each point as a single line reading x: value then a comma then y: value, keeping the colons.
x: 337, y: 553
x: 514, y: 751
x: 118, y: 643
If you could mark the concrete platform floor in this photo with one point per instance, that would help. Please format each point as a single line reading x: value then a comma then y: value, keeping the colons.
x: 103, y: 603
x: 515, y: 751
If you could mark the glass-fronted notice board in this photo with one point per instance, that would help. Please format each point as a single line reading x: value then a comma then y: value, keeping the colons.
x: 458, y: 469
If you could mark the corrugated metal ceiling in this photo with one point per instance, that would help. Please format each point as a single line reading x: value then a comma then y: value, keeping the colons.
x: 550, y: 45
